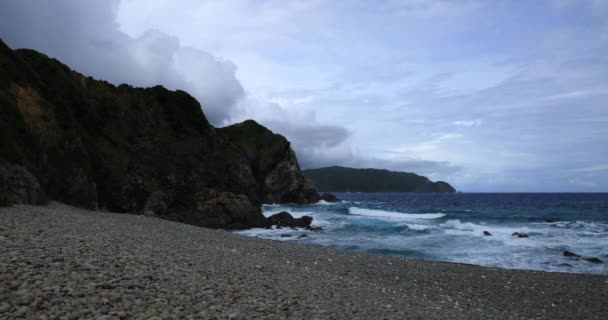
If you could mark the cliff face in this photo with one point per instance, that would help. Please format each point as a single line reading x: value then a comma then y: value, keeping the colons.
x: 342, y: 179
x: 273, y: 162
x: 67, y: 137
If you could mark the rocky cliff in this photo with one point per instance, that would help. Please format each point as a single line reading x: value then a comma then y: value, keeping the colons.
x: 71, y: 138
x: 273, y: 162
x: 342, y: 179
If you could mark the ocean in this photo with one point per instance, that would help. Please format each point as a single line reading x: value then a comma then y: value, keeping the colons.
x: 450, y: 227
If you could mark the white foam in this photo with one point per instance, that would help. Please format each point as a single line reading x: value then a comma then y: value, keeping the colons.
x: 392, y: 215
x: 418, y: 227
x: 325, y: 203
x: 274, y: 233
x: 594, y: 227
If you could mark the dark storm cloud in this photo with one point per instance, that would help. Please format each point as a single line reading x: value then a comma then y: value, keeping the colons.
x: 85, y: 35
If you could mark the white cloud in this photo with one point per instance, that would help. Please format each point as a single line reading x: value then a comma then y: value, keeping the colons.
x: 468, y: 123
x: 594, y: 168
x: 366, y: 83
x: 581, y: 183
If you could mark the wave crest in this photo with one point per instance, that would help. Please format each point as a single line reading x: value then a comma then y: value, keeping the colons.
x: 393, y: 215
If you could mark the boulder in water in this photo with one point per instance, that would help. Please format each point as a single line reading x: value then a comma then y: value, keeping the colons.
x: 487, y: 234
x: 284, y: 219
x: 571, y: 254
x: 593, y: 259
x: 330, y: 197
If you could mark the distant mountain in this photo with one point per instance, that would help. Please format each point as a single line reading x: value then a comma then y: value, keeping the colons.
x: 86, y: 142
x: 343, y: 179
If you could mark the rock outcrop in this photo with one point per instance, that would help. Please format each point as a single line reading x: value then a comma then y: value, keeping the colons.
x: 18, y: 185
x: 273, y: 163
x: 74, y: 139
x: 284, y: 219
x: 330, y: 197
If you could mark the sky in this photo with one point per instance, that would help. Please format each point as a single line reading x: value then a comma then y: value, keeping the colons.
x: 491, y: 96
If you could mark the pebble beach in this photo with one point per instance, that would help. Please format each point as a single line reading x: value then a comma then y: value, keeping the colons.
x: 60, y: 262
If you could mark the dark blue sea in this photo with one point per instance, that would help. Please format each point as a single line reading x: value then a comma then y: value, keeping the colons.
x: 450, y: 227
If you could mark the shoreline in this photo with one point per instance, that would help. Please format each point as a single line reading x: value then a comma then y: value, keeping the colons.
x: 60, y: 260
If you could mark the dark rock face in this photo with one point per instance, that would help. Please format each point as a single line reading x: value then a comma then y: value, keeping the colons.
x: 594, y: 260
x: 225, y: 209
x: 95, y: 145
x: 571, y: 254
x: 18, y: 185
x: 273, y: 163
x: 520, y: 235
x: 329, y: 197
x: 284, y: 219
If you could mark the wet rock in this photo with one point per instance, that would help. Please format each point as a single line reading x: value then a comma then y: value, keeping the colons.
x: 520, y: 235
x: 329, y: 197
x: 314, y: 228
x: 549, y: 220
x: 303, y: 236
x: 571, y: 254
x: 564, y: 265
x: 284, y: 219
x: 487, y: 234
x: 593, y: 259
x: 285, y: 235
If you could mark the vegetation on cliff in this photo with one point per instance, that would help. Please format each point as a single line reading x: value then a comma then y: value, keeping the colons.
x: 343, y: 179
x: 273, y: 162
x: 150, y: 150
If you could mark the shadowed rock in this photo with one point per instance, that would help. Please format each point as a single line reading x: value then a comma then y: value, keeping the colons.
x: 593, y: 259
x: 571, y: 254
x: 330, y: 197
x: 18, y: 185
x: 284, y: 219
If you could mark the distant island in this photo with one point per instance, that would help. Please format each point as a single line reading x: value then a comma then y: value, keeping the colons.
x: 344, y: 179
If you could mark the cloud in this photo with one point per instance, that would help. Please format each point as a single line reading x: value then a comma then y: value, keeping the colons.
x: 309, y: 137
x: 489, y: 93
x: 468, y: 123
x: 595, y: 168
x: 85, y: 36
x: 581, y: 183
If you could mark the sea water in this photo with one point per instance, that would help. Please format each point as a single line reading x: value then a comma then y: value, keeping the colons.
x: 450, y: 227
